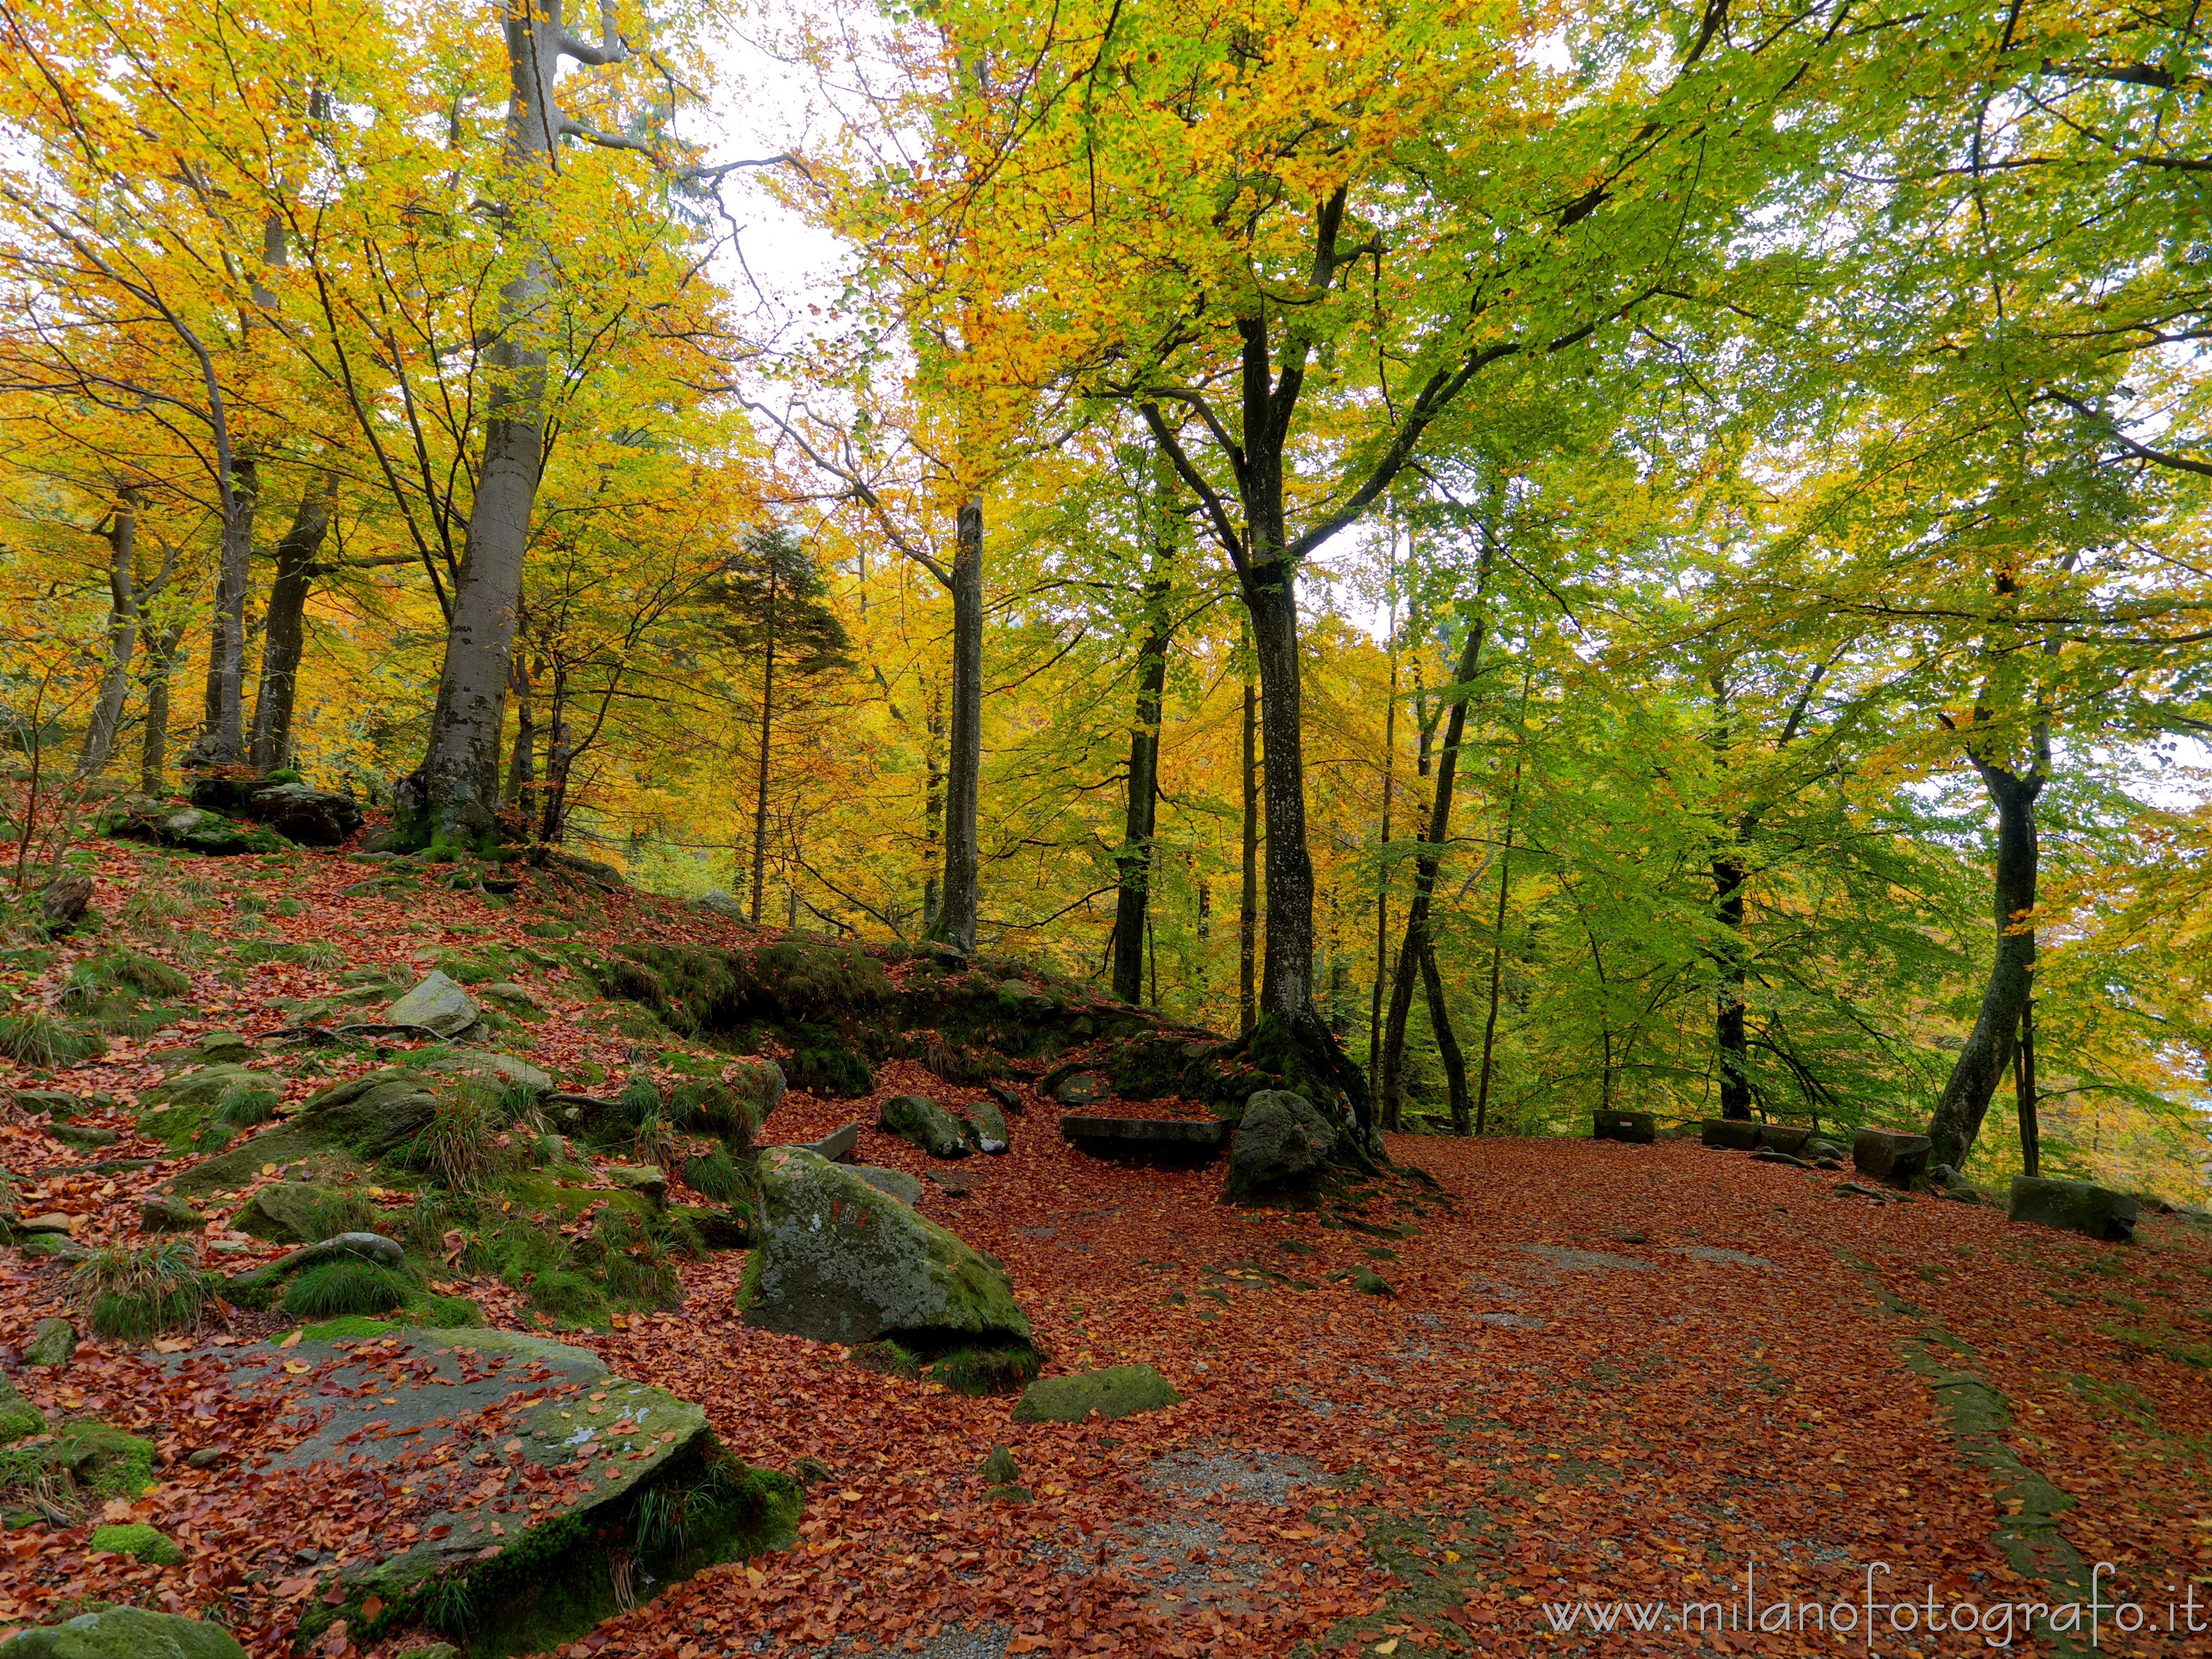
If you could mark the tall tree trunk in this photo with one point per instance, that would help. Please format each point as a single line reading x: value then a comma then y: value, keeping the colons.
x: 223, y: 731
x: 1988, y: 1054
x: 1382, y: 873
x: 121, y: 637
x: 1447, y: 1043
x: 284, y: 630
x: 2031, y: 1130
x: 460, y: 776
x: 767, y: 730
x: 1133, y: 863
x: 1247, y: 910
x: 1432, y: 845
x: 1497, y: 951
x: 522, y: 759
x: 956, y: 919
x: 932, y: 812
x: 1730, y: 1035
x: 161, y: 648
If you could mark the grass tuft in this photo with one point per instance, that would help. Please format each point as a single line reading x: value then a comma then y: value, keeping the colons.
x: 31, y: 1038
x: 130, y: 1295
x: 331, y: 1290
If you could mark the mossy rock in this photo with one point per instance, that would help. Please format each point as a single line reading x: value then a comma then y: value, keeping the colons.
x: 125, y: 1633
x: 1115, y: 1391
x: 52, y: 1342
x: 301, y: 1213
x: 921, y: 1120
x: 821, y: 1065
x: 18, y: 1416
x: 136, y: 1538
x: 104, y: 1462
x: 1001, y: 1368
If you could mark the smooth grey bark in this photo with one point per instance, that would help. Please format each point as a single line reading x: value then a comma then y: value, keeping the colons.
x: 122, y: 535
x: 460, y: 775
x: 522, y: 758
x: 955, y: 917
x: 222, y: 727
x: 1382, y: 873
x: 283, y: 630
x: 1440, y: 1025
x: 161, y: 648
x: 1133, y: 863
x: 1391, y: 1101
x: 932, y: 813
x: 1248, y: 906
x: 1989, y: 1046
x: 766, y: 731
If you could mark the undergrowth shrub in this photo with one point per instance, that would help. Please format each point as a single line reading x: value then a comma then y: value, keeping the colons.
x: 331, y: 1290
x: 656, y: 1141
x: 822, y: 1065
x: 240, y: 1107
x: 31, y: 1038
x: 468, y: 1141
x: 152, y: 906
x: 715, y: 1175
x: 130, y: 1295
x: 717, y: 1109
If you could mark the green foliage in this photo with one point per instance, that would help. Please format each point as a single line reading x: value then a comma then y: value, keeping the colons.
x: 130, y: 1295
x: 31, y: 1038
x: 821, y: 1064
x: 331, y: 1290
x: 714, y: 1175
x: 470, y: 1138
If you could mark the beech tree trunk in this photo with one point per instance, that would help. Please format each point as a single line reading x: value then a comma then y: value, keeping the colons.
x: 460, y: 775
x: 955, y: 917
x: 2031, y: 1130
x: 1134, y: 864
x: 1247, y: 910
x: 767, y: 728
x: 933, y: 814
x: 122, y: 638
x: 154, y: 746
x: 1427, y: 860
x: 222, y: 729
x: 283, y: 630
x: 522, y: 759
x: 1730, y: 1035
x: 1447, y: 1043
x: 1990, y: 1047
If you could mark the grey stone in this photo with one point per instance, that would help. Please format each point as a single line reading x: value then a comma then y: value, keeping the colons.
x: 125, y: 1633
x: 1282, y: 1143
x: 437, y: 1003
x: 918, y: 1119
x: 1767, y: 1155
x: 837, y: 1145
x: 1169, y: 1137
x: 1082, y: 1090
x: 985, y: 1125
x: 839, y: 1262
x: 491, y: 1428
x: 52, y: 1342
x: 161, y: 1213
x: 1115, y: 1391
x: 1736, y: 1135
x: 85, y: 1137
x: 302, y: 813
x: 506, y: 1068
x: 1783, y: 1138
x: 64, y: 900
x: 898, y: 1183
x: 1637, y: 1129
x: 648, y: 1181
x: 1891, y: 1158
x: 1819, y: 1147
x: 2077, y: 1207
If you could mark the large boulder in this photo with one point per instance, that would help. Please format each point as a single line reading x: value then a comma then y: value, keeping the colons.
x: 194, y: 829
x: 921, y: 1120
x: 364, y: 1118
x: 1891, y: 1158
x: 1115, y: 1391
x: 286, y: 1212
x: 985, y: 1125
x: 2095, y: 1213
x: 1736, y: 1135
x: 316, y: 817
x: 125, y: 1633
x: 841, y: 1262
x: 438, y: 1004
x: 1281, y: 1144
x: 506, y: 1068
x: 905, y: 1188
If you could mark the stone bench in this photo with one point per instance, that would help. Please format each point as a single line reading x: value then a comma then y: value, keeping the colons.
x: 1193, y: 1138
x: 1891, y: 1158
x: 836, y: 1147
x: 1783, y: 1138
x: 1736, y: 1135
x: 1635, y: 1128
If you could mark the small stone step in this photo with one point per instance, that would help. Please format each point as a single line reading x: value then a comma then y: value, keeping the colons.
x: 1183, y: 1137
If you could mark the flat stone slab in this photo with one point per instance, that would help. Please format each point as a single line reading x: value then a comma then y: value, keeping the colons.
x: 1737, y: 1134
x: 1783, y: 1138
x: 467, y: 1441
x: 837, y: 1145
x: 1637, y: 1129
x: 1890, y: 1158
x: 1183, y: 1137
x: 2093, y: 1211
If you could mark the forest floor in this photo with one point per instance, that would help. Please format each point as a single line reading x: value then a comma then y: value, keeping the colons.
x: 1613, y: 1382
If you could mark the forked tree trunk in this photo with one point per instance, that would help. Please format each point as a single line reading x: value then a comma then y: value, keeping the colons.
x: 1989, y: 1046
x: 460, y: 776
x: 1133, y: 863
x: 122, y: 639
x: 284, y: 629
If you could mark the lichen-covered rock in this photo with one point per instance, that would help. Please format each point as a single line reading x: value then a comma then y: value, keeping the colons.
x: 125, y: 1633
x: 985, y: 1125
x: 136, y: 1538
x: 1890, y: 1158
x: 364, y: 1118
x: 1116, y: 1391
x: 506, y: 1068
x: 302, y: 813
x: 2077, y: 1207
x: 921, y: 1120
x: 52, y: 1342
x: 648, y: 1181
x: 839, y: 1262
x: 287, y: 1213
x: 1280, y: 1145
x: 437, y: 1003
